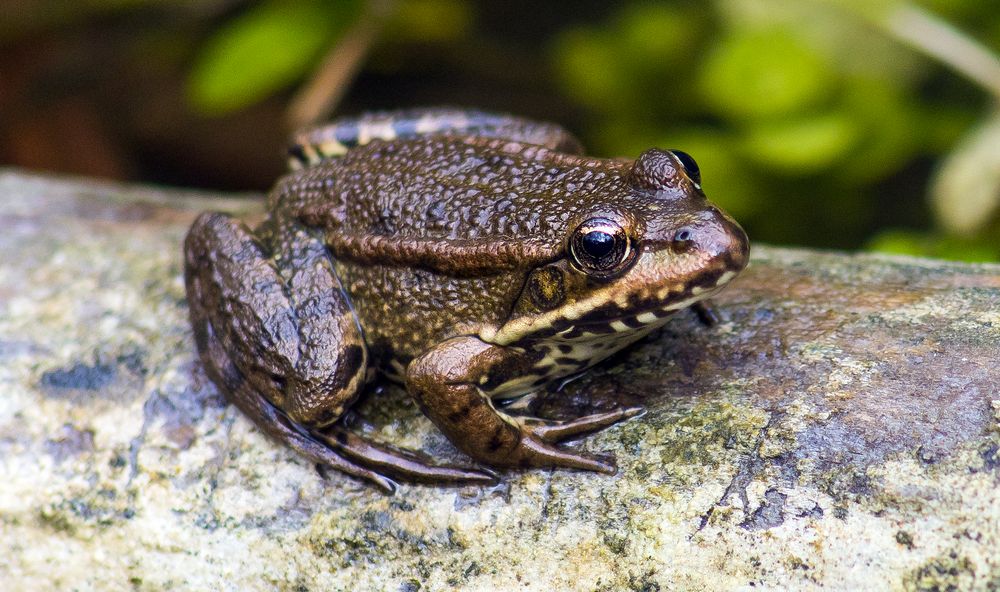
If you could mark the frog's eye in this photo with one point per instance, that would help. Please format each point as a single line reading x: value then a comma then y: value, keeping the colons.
x: 601, y: 248
x: 689, y: 164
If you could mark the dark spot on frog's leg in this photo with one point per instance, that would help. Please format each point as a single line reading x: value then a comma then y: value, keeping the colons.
x: 565, y: 348
x: 326, y: 416
x: 351, y: 358
x: 466, y: 410
x: 496, y: 439
x: 474, y: 405
x: 460, y: 414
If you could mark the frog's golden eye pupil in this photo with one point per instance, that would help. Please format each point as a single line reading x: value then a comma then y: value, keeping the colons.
x: 690, y: 165
x: 598, y: 243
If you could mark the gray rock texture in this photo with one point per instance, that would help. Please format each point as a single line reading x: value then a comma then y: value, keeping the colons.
x: 839, y: 429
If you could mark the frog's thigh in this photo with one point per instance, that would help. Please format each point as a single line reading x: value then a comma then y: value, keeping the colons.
x: 445, y: 383
x: 287, y: 328
x: 215, y: 248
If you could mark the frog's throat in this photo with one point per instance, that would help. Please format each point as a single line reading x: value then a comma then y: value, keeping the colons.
x: 611, y: 311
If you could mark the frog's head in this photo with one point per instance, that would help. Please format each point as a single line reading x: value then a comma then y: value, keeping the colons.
x: 631, y: 259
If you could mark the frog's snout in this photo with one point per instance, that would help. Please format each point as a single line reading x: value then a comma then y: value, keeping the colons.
x: 735, y: 244
x: 719, y: 239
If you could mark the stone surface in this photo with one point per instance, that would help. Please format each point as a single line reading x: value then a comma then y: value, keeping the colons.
x: 839, y: 429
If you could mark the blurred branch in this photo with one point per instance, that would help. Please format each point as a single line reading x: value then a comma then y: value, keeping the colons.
x: 929, y: 34
x: 966, y: 189
x: 323, y: 91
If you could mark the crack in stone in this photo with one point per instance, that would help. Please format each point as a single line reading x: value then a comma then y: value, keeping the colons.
x: 135, y: 444
x: 750, y: 465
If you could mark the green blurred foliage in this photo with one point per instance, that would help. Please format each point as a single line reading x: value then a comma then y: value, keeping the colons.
x: 808, y: 118
x: 264, y: 49
x: 815, y: 122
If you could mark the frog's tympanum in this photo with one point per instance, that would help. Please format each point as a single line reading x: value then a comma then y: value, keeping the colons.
x: 468, y: 256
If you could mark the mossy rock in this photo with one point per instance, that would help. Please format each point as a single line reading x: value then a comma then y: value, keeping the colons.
x: 838, y: 429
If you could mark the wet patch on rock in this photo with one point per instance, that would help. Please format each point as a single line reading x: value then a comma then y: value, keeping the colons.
x: 116, y: 377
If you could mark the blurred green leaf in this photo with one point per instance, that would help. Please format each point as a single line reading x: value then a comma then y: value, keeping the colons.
x: 901, y: 242
x: 264, y: 50
x: 429, y: 21
x: 890, y: 130
x: 966, y: 191
x: 591, y: 70
x: 766, y: 73
x: 802, y: 146
x: 660, y: 36
x: 922, y: 244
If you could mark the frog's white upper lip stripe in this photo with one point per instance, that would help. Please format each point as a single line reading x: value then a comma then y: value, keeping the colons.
x: 662, y: 303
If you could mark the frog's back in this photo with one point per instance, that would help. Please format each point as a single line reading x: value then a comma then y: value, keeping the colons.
x: 448, y: 187
x: 487, y: 193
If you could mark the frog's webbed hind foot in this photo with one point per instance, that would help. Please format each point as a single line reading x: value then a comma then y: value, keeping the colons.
x: 446, y: 383
x: 539, y: 436
x: 405, y: 465
x: 272, y: 422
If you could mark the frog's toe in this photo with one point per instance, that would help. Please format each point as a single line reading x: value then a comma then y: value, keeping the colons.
x: 556, y: 431
x: 533, y: 451
x: 705, y: 312
x: 539, y: 436
x: 405, y: 465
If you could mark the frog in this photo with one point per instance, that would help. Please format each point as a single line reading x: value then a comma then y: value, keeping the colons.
x: 472, y: 257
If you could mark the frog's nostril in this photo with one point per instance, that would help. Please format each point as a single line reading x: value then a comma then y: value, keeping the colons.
x: 683, y: 240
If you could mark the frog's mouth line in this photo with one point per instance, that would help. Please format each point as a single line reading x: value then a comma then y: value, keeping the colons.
x: 611, y: 314
x: 642, y: 309
x: 641, y: 315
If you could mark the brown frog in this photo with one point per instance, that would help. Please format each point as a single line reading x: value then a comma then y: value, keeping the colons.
x: 469, y: 256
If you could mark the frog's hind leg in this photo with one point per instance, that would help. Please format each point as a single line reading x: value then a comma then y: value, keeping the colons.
x: 448, y: 380
x: 278, y: 335
x: 314, y: 145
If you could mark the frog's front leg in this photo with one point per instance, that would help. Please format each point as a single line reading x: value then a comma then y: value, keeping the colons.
x: 275, y: 330
x: 446, y: 381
